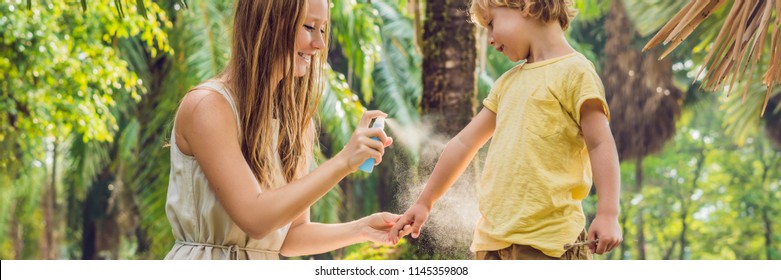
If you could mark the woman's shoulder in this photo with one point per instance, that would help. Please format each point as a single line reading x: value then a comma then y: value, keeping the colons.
x: 202, y: 100
x: 204, y: 111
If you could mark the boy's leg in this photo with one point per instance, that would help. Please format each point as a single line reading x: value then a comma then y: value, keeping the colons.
x: 525, y: 252
x: 514, y: 252
x: 487, y: 255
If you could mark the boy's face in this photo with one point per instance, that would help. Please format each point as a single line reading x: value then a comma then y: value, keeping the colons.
x: 309, y: 39
x: 506, y: 32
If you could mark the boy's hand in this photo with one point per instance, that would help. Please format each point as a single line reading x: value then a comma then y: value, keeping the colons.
x: 606, y: 229
x: 411, y: 222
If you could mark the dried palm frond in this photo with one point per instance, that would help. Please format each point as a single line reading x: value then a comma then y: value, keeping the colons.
x: 737, y: 48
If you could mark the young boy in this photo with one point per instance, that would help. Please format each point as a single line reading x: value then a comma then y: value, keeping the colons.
x: 549, y: 121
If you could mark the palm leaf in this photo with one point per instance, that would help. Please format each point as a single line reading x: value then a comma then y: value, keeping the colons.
x: 397, y: 85
x: 339, y: 111
x: 199, y: 39
x: 357, y: 33
x: 739, y: 45
x: 326, y: 209
x: 206, y: 38
x: 741, y: 121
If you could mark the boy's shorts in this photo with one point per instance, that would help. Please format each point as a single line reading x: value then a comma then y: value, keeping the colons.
x: 525, y: 252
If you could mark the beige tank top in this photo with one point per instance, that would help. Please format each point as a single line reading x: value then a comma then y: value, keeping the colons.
x: 202, y: 228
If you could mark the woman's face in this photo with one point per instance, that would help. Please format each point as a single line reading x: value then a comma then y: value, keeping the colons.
x: 311, y: 36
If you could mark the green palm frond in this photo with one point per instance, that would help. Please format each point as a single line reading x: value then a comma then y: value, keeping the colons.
x: 650, y: 15
x: 397, y: 84
x: 357, y: 33
x: 339, y: 111
x: 326, y: 209
x: 85, y: 160
x: 20, y: 200
x: 200, y: 38
x: 206, y: 37
x: 591, y: 9
x: 742, y: 113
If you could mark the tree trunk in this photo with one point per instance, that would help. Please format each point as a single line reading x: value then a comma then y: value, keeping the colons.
x: 123, y: 208
x: 100, y: 237
x: 684, y: 225
x: 643, y: 100
x: 49, y: 201
x: 155, y: 103
x: 624, y: 219
x: 385, y: 178
x: 348, y: 202
x: 449, y: 79
x: 449, y: 95
x: 15, y: 230
x: 641, y: 94
x: 768, y: 234
x: 765, y: 215
x: 640, y: 219
x: 669, y: 252
x: 685, y: 198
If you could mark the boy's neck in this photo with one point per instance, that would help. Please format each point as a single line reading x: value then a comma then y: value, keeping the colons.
x: 548, y: 43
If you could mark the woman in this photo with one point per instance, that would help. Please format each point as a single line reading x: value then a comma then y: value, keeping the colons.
x: 242, y: 144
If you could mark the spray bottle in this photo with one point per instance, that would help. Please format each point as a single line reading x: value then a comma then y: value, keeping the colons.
x: 368, y: 165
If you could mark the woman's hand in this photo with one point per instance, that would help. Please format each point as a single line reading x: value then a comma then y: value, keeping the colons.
x: 361, y: 147
x: 375, y: 227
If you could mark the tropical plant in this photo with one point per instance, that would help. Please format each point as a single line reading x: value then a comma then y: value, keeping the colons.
x: 739, y: 45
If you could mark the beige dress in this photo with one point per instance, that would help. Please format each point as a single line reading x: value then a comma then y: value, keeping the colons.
x: 202, y: 228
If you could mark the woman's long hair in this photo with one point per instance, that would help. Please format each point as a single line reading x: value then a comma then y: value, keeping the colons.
x: 264, y: 35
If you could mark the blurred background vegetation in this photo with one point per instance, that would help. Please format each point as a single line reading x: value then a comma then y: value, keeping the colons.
x: 88, y: 92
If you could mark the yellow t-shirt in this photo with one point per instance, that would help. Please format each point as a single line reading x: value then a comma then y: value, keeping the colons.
x: 537, y: 171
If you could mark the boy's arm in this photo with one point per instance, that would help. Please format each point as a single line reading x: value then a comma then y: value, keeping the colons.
x: 604, y: 164
x: 455, y: 158
x: 457, y: 155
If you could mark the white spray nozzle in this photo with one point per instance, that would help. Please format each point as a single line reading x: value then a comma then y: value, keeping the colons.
x: 379, y: 122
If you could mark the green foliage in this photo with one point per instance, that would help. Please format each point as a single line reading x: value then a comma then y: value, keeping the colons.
x: 62, y: 76
x: 404, y: 250
x: 397, y: 79
x: 99, y: 90
x: 201, y: 44
x: 357, y: 33
x: 371, y: 251
x: 589, y: 10
x: 718, y: 190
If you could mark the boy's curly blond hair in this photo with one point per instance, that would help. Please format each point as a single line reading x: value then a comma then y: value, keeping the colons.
x: 543, y: 10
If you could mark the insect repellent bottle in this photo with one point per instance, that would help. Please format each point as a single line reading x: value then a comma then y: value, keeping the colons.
x: 368, y: 165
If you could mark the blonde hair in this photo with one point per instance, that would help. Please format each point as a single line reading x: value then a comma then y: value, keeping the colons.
x: 264, y: 35
x: 543, y: 10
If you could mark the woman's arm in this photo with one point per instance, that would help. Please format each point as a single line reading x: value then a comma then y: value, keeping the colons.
x: 307, y: 238
x: 208, y: 129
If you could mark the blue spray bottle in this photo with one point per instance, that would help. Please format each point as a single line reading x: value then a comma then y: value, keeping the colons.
x: 368, y: 165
